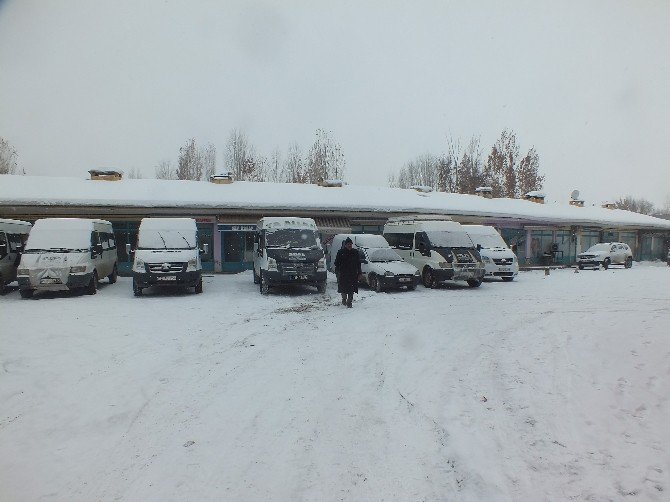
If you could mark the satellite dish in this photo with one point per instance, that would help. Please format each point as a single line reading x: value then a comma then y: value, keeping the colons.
x: 574, y: 195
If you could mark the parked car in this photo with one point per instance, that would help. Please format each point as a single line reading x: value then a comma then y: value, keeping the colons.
x: 439, y: 248
x: 13, y: 236
x: 382, y: 268
x: 287, y: 250
x: 606, y: 254
x: 499, y: 260
x: 167, y: 255
x: 67, y: 253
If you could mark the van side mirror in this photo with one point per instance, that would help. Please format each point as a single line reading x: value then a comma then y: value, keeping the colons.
x: 205, y: 248
x: 129, y: 250
x: 450, y: 258
x: 479, y: 247
x: 256, y: 239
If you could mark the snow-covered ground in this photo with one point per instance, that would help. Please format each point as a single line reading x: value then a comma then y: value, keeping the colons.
x: 548, y: 388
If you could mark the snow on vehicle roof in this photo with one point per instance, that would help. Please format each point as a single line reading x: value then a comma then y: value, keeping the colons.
x: 62, y: 233
x: 480, y: 229
x: 425, y: 225
x: 22, y: 227
x: 187, y: 224
x: 63, y: 191
x: 370, y: 241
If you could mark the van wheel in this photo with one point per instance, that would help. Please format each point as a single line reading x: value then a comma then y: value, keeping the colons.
x: 92, y: 287
x: 428, y: 279
x: 321, y: 287
x: 137, y: 291
x: 508, y: 279
x: 26, y: 293
x: 474, y: 283
x: 2, y: 285
x: 265, y: 287
x: 629, y: 262
x: 114, y: 275
x: 606, y: 263
x: 377, y: 285
x: 198, y: 287
x: 581, y: 267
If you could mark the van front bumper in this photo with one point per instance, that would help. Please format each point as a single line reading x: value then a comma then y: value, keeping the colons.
x: 183, y: 279
x: 274, y: 277
x: 74, y: 281
x: 459, y: 273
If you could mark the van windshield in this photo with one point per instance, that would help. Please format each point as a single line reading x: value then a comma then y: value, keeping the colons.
x: 63, y: 240
x: 488, y: 241
x: 292, y: 238
x: 166, y: 239
x: 383, y: 255
x: 445, y: 239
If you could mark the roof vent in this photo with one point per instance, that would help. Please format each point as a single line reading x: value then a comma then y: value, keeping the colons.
x: 105, y: 175
x: 421, y: 188
x: 332, y: 183
x: 535, y: 196
x: 484, y: 192
x: 222, y: 178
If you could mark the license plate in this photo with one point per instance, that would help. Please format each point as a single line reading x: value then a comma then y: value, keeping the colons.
x: 50, y: 280
x: 504, y: 269
x: 167, y: 278
x: 404, y: 279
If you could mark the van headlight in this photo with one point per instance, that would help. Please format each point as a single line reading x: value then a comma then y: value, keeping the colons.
x: 22, y: 271
x: 138, y: 266
x: 322, y: 264
x: 272, y: 264
x: 79, y: 269
x: 417, y: 273
x: 192, y: 263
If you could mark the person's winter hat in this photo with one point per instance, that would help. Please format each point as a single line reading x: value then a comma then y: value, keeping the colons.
x: 348, y: 241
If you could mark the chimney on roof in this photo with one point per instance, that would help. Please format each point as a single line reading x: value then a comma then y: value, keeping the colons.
x: 535, y: 196
x: 222, y: 178
x: 105, y: 175
x: 486, y: 192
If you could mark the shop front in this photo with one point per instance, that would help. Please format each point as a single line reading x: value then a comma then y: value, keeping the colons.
x: 237, y: 247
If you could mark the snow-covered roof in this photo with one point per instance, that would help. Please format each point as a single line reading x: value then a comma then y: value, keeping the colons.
x: 147, y: 193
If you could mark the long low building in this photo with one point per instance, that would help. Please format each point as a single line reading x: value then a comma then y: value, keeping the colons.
x: 226, y: 214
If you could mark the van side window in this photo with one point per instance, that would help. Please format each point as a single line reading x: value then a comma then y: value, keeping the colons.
x: 3, y: 245
x: 104, y: 239
x: 422, y: 242
x: 400, y: 241
x: 112, y: 241
x: 95, y: 239
x: 15, y: 242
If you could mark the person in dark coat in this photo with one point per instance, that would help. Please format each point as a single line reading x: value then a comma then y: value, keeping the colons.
x: 348, y: 270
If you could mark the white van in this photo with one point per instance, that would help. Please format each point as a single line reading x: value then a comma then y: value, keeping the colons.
x: 67, y: 253
x: 499, y: 260
x: 287, y: 250
x: 13, y: 236
x: 167, y: 255
x: 382, y: 267
x: 440, y: 248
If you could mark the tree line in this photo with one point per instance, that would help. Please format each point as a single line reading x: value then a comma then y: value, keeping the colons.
x: 463, y: 169
x: 324, y: 160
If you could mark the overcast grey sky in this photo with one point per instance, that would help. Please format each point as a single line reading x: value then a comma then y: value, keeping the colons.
x: 124, y: 84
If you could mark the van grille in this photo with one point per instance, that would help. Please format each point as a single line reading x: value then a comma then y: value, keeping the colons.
x: 297, y: 268
x: 503, y: 261
x: 166, y: 267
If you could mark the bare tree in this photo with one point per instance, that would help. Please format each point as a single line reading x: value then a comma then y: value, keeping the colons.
x: 528, y: 174
x: 502, y: 165
x: 135, y: 174
x: 237, y: 154
x: 8, y: 157
x: 293, y: 168
x: 208, y: 156
x: 189, y: 166
x: 630, y: 203
x: 325, y: 159
x: 165, y: 171
x: 471, y: 168
x: 274, y: 171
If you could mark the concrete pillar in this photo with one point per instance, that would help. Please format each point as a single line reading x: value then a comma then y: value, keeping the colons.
x: 529, y: 236
x: 217, y: 249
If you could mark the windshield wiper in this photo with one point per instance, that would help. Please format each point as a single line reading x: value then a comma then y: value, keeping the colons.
x: 159, y: 235
x: 187, y: 243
